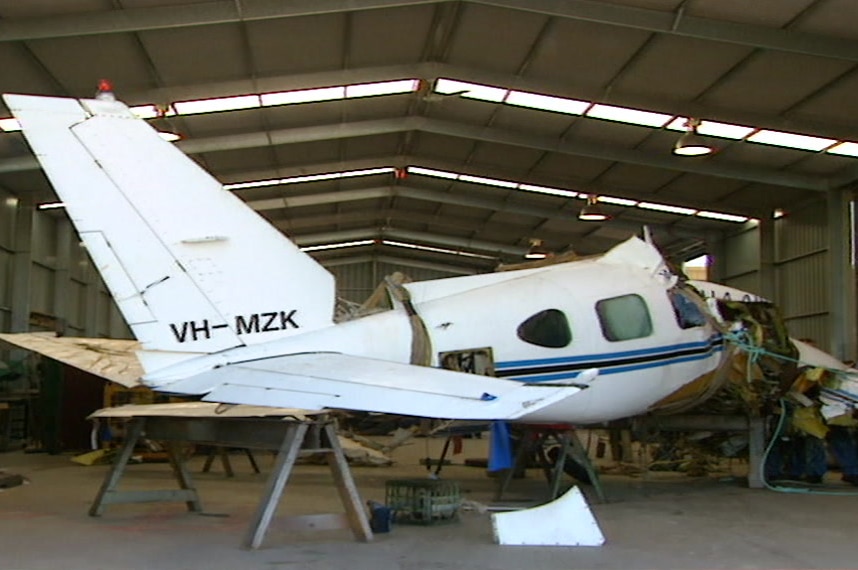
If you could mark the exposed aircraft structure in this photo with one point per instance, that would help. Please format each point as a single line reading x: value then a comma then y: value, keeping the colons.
x: 228, y: 308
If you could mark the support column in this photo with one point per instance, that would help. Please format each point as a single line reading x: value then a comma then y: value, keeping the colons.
x: 841, y: 285
x: 93, y: 284
x: 22, y: 266
x: 715, y: 249
x: 62, y: 274
x: 768, y: 256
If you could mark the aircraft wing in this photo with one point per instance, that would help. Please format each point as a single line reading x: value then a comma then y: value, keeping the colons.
x: 332, y: 380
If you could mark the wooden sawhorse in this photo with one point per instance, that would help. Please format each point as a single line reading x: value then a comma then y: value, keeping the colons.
x: 533, y: 443
x: 288, y: 437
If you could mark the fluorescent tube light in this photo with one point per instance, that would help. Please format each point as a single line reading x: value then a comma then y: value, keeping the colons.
x: 626, y: 115
x: 791, y: 140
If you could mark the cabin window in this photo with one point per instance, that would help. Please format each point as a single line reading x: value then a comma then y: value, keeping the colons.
x: 548, y: 328
x: 688, y: 314
x: 624, y: 318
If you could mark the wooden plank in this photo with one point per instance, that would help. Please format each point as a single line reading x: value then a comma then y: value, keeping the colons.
x: 135, y: 428
x: 150, y: 496
x: 183, y: 476
x: 286, y: 458
x: 346, y: 487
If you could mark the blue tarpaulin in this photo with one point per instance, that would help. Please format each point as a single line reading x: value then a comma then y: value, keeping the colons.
x: 500, y: 449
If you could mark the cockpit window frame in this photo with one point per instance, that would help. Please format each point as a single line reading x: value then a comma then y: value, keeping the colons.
x: 548, y: 328
x: 688, y: 314
x: 617, y: 329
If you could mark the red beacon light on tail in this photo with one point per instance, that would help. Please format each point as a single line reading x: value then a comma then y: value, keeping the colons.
x: 105, y: 91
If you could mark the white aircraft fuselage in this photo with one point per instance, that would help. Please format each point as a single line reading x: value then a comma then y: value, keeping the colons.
x: 485, y: 311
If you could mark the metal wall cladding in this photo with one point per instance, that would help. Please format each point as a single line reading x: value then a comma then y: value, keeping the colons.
x: 105, y: 302
x: 802, y: 272
x: 42, y: 288
x: 8, y: 209
x: 803, y: 287
x: 741, y: 256
x: 45, y: 238
x: 5, y: 280
x: 76, y: 308
x: 801, y: 232
x: 357, y: 281
x: 815, y: 329
x: 414, y: 273
x: 749, y: 282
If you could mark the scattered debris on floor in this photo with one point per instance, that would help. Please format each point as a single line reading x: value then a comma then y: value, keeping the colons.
x: 356, y: 454
x: 9, y: 480
x: 565, y: 521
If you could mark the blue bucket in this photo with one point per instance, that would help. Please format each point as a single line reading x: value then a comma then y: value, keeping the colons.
x: 381, y: 517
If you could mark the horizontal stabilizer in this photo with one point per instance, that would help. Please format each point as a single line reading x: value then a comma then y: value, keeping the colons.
x: 332, y: 380
x: 112, y: 359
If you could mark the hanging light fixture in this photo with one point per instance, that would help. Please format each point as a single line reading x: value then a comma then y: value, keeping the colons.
x: 691, y: 143
x: 592, y: 212
x: 164, y: 126
x: 537, y: 250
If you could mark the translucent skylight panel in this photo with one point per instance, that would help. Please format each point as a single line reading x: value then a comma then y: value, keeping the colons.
x: 251, y: 184
x: 666, y: 208
x: 617, y: 201
x: 368, y: 171
x: 713, y: 129
x: 51, y: 206
x: 721, y: 216
x: 309, y: 178
x: 303, y: 96
x: 470, y: 90
x: 843, y: 149
x: 217, y: 105
x: 432, y: 172
x: 434, y: 249
x: 547, y: 103
x: 563, y: 193
x: 10, y: 125
x: 791, y: 140
x: 145, y: 111
x: 381, y: 88
x: 340, y: 245
x: 487, y: 181
x: 631, y: 116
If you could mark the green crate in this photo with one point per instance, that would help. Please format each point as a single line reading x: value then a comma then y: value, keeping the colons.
x: 423, y: 501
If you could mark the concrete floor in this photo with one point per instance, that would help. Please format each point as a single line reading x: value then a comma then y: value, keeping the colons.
x: 660, y: 521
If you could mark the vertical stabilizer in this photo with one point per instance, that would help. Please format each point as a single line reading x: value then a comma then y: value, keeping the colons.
x: 191, y: 267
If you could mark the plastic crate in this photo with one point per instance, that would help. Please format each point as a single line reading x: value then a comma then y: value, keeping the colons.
x: 423, y: 501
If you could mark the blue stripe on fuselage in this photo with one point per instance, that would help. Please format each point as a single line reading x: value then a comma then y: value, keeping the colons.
x: 531, y: 368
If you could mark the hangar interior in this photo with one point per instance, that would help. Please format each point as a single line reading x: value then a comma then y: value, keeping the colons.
x: 440, y: 138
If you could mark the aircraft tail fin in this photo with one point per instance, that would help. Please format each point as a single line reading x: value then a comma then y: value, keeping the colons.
x: 191, y: 267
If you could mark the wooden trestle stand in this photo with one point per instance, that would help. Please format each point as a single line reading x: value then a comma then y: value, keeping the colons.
x: 288, y: 436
